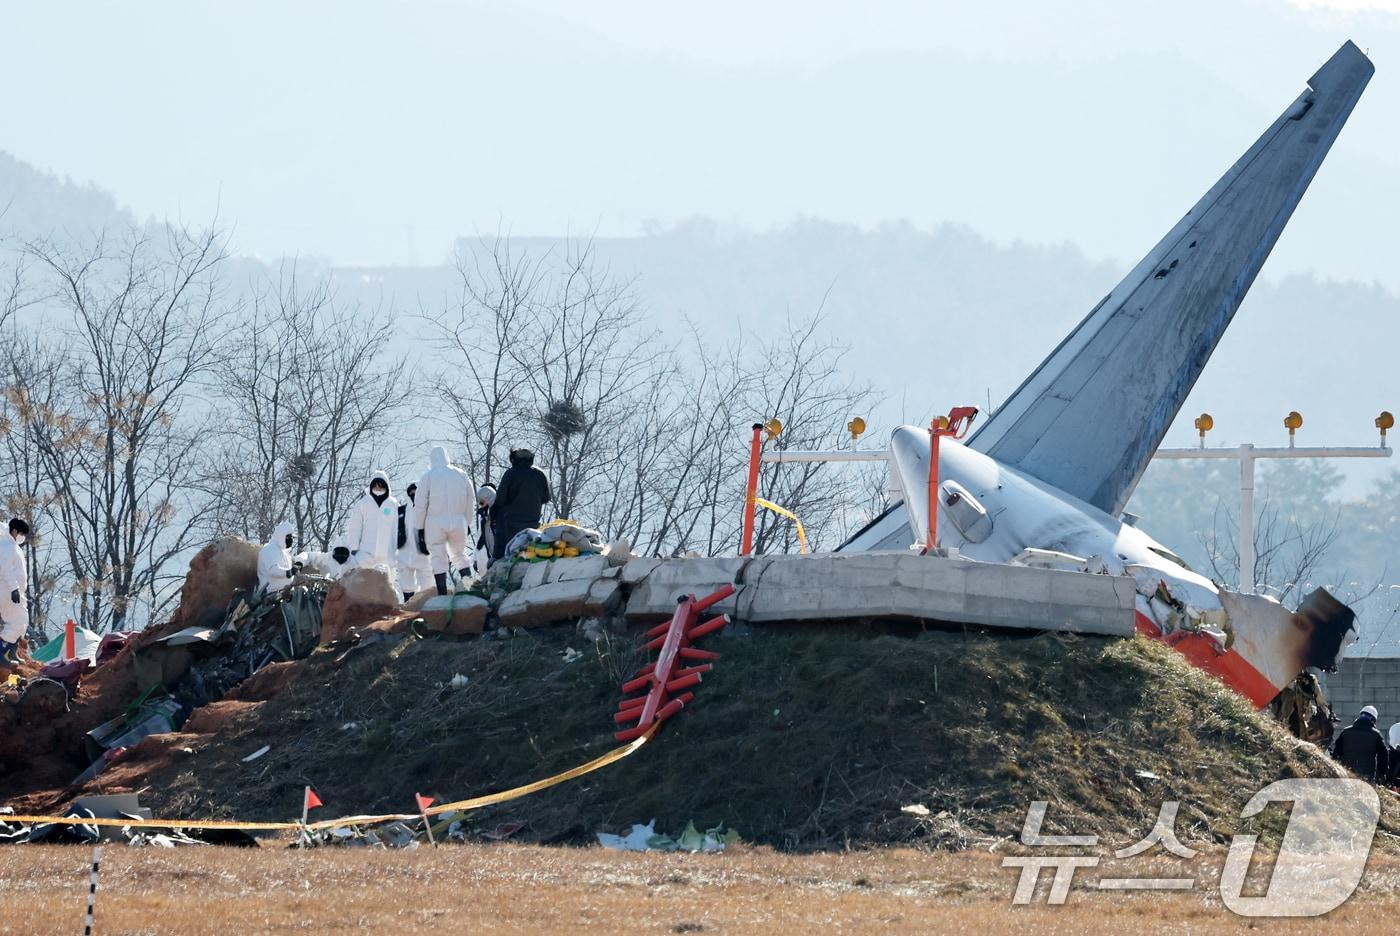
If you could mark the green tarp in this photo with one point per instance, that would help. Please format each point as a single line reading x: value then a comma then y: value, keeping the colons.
x: 84, y: 640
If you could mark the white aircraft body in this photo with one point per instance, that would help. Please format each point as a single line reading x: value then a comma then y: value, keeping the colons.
x: 1045, y: 479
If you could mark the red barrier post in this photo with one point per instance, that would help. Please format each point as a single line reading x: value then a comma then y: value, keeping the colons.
x: 936, y: 430
x: 755, y: 448
x: 956, y: 424
x: 70, y: 640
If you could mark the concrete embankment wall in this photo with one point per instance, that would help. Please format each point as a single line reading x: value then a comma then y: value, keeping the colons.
x: 833, y: 588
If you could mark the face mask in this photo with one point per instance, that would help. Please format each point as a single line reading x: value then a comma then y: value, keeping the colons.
x: 21, y: 539
x: 289, y: 541
x: 378, y: 491
x: 412, y: 492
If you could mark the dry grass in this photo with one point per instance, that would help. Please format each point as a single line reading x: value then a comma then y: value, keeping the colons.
x: 511, y: 888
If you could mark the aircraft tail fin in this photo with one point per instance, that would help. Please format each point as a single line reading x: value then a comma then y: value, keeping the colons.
x: 1089, y: 419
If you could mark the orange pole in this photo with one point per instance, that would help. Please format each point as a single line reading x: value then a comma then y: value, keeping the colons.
x: 931, y: 536
x: 70, y: 640
x: 749, y: 507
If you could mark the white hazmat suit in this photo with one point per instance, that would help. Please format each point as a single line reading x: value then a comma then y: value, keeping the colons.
x: 373, y: 531
x: 14, y: 616
x: 446, y: 501
x: 325, y: 562
x: 415, y: 573
x: 275, y: 560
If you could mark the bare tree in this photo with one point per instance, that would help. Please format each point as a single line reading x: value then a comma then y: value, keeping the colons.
x: 308, y: 408
x: 485, y: 383
x: 591, y: 356
x: 1287, y: 552
x: 642, y: 439
x: 144, y: 318
x: 29, y: 493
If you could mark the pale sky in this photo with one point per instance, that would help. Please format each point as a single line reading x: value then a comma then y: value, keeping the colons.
x: 377, y: 133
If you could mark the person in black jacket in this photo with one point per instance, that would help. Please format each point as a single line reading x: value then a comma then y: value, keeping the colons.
x: 1361, y: 749
x: 523, y: 492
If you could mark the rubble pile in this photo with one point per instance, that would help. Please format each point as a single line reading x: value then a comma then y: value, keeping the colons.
x: 54, y: 733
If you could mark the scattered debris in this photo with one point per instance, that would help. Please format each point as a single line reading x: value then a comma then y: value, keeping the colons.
x: 191, y: 635
x: 140, y: 839
x: 393, y: 835
x: 153, y: 712
x: 645, y: 838
x: 458, y: 681
x: 258, y: 753
x: 118, y: 806
x: 501, y: 832
x: 570, y: 655
x: 637, y: 838
x: 915, y: 809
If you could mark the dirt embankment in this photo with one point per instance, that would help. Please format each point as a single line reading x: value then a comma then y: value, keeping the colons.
x: 41, y: 733
x: 801, y: 738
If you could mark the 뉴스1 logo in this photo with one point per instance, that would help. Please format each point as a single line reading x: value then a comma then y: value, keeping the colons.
x: 1319, y: 865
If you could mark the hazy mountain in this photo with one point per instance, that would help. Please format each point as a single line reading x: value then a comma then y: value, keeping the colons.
x: 34, y: 203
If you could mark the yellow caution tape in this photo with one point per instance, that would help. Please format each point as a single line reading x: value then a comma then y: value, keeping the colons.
x: 154, y: 823
x: 477, y: 802
x: 492, y: 799
x: 784, y: 512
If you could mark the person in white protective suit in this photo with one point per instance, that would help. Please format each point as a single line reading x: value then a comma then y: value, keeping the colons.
x: 331, y: 564
x: 415, y: 574
x: 14, y: 580
x: 372, y: 533
x: 446, y: 500
x: 276, y: 567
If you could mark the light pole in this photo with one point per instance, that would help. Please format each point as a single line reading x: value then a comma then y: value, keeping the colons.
x: 1248, y: 454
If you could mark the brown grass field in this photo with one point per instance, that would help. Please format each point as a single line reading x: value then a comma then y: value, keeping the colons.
x: 534, y: 889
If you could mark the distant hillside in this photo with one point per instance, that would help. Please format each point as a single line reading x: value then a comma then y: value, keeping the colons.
x: 34, y: 203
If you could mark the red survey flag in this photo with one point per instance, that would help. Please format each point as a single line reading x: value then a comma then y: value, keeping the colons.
x: 312, y: 800
x: 423, y: 801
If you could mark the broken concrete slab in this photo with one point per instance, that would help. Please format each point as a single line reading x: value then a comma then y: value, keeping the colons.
x: 637, y: 569
x: 419, y: 599
x: 535, y: 574
x: 578, y: 567
x: 605, y: 593
x: 456, y: 615
x: 869, y: 586
x: 554, y: 602
x: 654, y: 597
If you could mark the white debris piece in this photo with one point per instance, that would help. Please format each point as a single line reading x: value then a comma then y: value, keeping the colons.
x: 635, y: 840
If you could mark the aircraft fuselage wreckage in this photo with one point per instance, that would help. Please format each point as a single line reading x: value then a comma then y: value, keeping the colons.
x: 1045, y: 479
